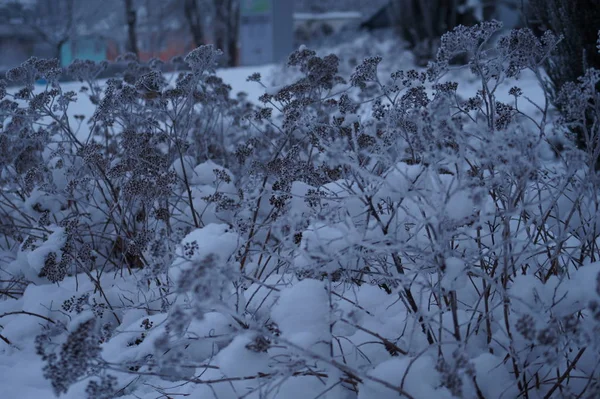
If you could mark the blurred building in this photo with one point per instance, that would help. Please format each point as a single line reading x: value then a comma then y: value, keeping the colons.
x: 16, y: 45
x: 266, y: 31
x: 88, y: 47
x: 163, y: 45
x: 162, y: 31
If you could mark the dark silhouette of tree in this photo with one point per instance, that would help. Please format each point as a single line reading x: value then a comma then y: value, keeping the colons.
x: 131, y: 19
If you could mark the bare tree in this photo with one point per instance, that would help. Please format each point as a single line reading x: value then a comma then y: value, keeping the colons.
x: 54, y: 22
x: 131, y: 19
x: 422, y: 22
x: 226, y: 27
x: 195, y: 20
x: 221, y: 17
x: 57, y: 22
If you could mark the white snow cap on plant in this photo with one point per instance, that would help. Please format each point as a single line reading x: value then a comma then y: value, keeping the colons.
x: 204, y: 174
x: 460, y: 205
x: 302, y: 312
x: 214, y: 240
x: 454, y: 275
x: 399, y: 180
x: 185, y: 163
x: 299, y: 192
x: 274, y: 90
x: 31, y: 263
x: 42, y: 200
x: 321, y: 242
x: 238, y: 360
x: 421, y: 380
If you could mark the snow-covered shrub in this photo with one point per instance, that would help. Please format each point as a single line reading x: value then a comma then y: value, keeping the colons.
x: 355, y: 235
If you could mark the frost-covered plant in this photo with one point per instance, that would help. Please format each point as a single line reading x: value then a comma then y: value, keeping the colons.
x: 77, y: 357
x: 111, y: 189
x: 374, y: 236
x: 112, y: 193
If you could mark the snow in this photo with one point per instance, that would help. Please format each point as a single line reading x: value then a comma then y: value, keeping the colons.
x: 204, y: 174
x: 325, y: 243
x: 460, y: 205
x: 302, y: 312
x: 236, y: 360
x: 298, y: 192
x: 184, y: 167
x: 418, y: 374
x: 236, y: 77
x: 31, y: 262
x: 274, y: 90
x: 454, y: 274
x: 400, y: 180
x: 493, y: 378
x: 211, y: 240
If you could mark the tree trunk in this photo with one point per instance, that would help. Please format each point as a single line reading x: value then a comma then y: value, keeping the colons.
x: 131, y: 18
x: 194, y: 19
x: 58, y: 49
x: 220, y: 26
x: 69, y: 29
x: 489, y: 10
x: 226, y: 28
x: 428, y: 14
x: 453, y: 14
x: 233, y: 52
x: 233, y: 31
